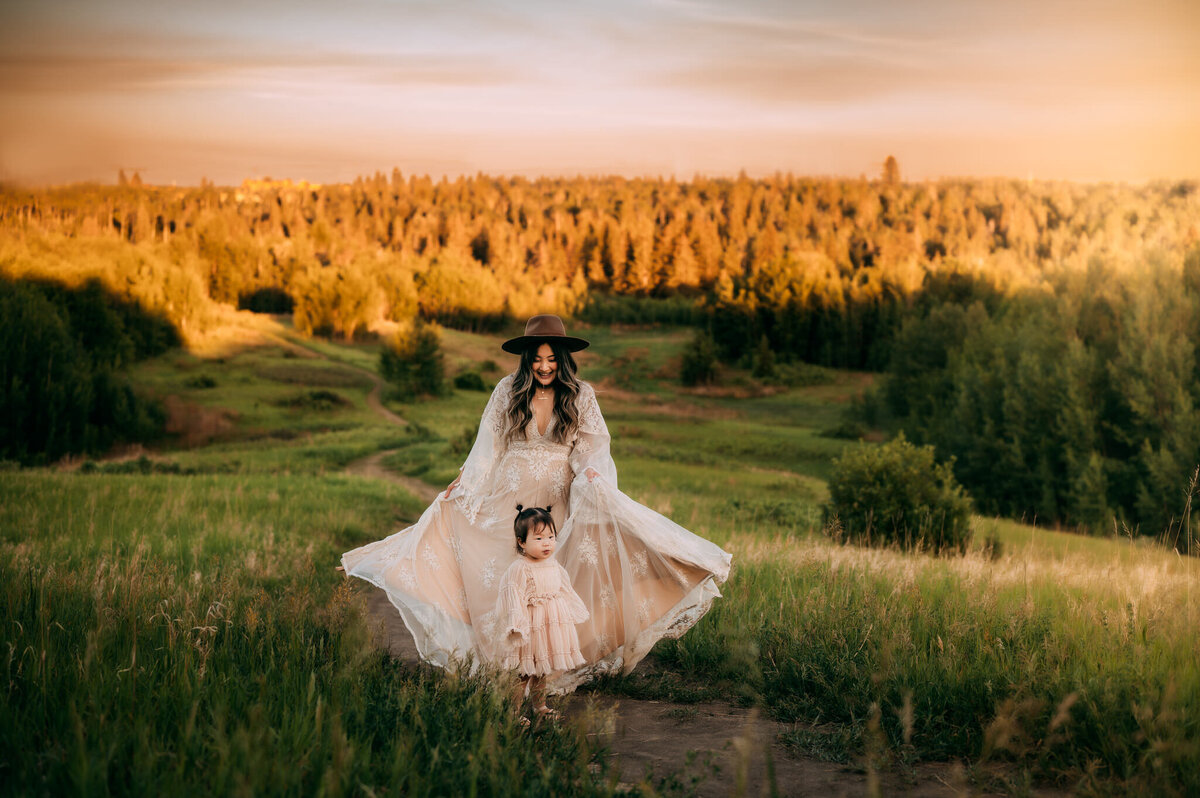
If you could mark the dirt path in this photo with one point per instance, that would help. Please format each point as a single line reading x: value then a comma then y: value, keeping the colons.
x: 722, y: 750
x: 376, y: 403
x: 372, y: 468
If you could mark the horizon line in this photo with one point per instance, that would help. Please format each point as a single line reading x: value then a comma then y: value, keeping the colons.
x: 303, y: 182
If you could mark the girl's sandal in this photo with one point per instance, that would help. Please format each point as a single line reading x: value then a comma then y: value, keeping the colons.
x: 546, y: 713
x: 523, y: 722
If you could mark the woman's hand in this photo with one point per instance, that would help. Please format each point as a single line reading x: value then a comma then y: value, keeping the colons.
x: 591, y: 473
x: 453, y: 485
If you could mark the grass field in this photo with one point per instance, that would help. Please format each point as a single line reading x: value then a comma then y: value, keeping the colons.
x: 173, y: 624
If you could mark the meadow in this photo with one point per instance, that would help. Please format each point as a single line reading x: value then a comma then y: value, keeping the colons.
x: 172, y: 621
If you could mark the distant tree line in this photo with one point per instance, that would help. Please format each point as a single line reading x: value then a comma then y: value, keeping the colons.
x: 825, y: 269
x: 1041, y: 333
x: 61, y: 353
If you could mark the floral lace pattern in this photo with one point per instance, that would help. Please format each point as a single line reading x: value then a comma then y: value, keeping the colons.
x: 590, y: 419
x: 643, y: 611
x: 588, y: 550
x: 488, y: 575
x: 494, y: 412
x: 541, y: 461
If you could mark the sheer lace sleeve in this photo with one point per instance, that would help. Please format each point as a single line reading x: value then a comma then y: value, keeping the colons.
x: 579, y: 610
x: 476, y: 472
x: 512, y: 618
x: 591, y: 448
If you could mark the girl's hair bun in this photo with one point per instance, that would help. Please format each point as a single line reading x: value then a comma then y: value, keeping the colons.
x: 519, y: 508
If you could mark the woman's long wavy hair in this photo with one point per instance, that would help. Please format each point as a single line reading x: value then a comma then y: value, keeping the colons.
x: 566, y: 391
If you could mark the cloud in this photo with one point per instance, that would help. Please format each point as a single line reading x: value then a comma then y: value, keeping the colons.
x: 1033, y: 67
x: 870, y: 36
x: 798, y: 79
x: 87, y: 74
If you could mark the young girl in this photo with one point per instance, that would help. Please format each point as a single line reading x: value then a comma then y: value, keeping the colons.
x: 537, y: 609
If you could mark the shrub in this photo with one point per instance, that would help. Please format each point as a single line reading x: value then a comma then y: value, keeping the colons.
x: 699, y: 361
x: 413, y: 361
x: 267, y: 300
x: 797, y: 375
x: 201, y: 381
x: 469, y: 381
x: 763, y: 364
x: 897, y: 494
x: 314, y: 400
x: 848, y: 430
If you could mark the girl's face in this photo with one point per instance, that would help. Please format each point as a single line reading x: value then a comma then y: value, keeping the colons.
x: 540, y: 542
x: 545, y: 366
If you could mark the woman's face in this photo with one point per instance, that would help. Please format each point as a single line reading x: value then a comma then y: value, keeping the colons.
x: 545, y: 366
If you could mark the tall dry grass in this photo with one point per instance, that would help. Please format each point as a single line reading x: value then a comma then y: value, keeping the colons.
x: 165, y: 635
x: 1081, y: 669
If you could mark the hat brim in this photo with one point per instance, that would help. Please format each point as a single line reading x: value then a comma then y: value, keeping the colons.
x: 518, y: 345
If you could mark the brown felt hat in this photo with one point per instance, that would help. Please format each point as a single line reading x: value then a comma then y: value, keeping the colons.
x: 545, y: 328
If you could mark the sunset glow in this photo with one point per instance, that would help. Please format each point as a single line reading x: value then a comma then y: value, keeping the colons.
x: 326, y: 92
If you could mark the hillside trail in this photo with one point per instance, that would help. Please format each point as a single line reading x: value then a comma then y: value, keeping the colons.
x: 374, y: 396
x: 704, y: 749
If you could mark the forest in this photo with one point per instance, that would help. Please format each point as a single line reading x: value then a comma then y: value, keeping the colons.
x: 61, y: 390
x: 1040, y: 334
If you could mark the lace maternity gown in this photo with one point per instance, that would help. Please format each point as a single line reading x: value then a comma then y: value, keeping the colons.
x: 641, y: 576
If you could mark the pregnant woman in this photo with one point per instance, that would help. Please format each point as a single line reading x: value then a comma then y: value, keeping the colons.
x: 542, y: 442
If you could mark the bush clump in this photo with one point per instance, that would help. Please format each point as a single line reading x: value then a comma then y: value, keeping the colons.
x: 762, y: 365
x: 413, y: 362
x: 848, y: 430
x: 469, y: 381
x: 201, y: 382
x: 897, y: 494
x: 314, y: 400
x: 699, y: 360
x: 801, y: 375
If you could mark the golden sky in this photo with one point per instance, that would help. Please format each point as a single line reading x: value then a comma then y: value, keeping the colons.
x: 327, y: 91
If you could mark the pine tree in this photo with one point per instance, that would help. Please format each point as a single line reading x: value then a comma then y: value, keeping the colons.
x: 413, y: 362
x: 891, y: 171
